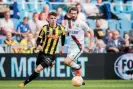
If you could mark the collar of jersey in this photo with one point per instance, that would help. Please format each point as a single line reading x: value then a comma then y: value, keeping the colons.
x: 53, y: 27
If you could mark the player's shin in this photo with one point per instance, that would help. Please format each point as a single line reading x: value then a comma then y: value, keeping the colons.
x: 33, y: 76
x: 69, y: 62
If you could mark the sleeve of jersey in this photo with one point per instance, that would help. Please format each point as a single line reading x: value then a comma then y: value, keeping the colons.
x: 40, y: 37
x: 63, y: 36
x: 85, y: 27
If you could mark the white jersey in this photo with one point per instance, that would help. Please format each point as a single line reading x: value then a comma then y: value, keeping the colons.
x: 76, y: 34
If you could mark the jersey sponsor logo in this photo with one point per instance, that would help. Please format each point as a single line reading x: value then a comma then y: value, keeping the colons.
x: 123, y: 66
x: 53, y: 36
x: 74, y: 32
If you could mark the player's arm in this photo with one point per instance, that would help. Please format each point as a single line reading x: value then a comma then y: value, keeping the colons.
x: 88, y: 30
x: 40, y: 39
x: 62, y: 39
x: 91, y: 38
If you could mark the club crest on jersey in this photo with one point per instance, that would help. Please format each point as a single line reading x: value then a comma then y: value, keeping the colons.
x: 77, y: 25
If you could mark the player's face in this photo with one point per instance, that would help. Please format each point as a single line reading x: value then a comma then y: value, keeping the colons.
x: 73, y: 14
x: 52, y: 19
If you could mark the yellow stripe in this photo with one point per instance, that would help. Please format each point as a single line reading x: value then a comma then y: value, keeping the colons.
x: 55, y: 40
x: 42, y: 32
x: 63, y: 30
x: 49, y: 41
x: 40, y: 36
x: 44, y: 42
x: 44, y: 28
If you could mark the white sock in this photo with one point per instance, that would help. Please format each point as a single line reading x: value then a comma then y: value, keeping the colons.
x: 74, y: 65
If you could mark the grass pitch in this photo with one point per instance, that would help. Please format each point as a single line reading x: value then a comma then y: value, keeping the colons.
x: 66, y: 84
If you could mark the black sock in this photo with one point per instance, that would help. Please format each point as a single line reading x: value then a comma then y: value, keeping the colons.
x: 32, y: 76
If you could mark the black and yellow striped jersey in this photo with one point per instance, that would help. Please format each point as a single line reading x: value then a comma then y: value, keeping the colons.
x: 48, y: 38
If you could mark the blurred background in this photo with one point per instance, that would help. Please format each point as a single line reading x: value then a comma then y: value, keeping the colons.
x: 21, y: 21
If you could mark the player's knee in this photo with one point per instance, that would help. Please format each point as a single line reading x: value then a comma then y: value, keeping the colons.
x: 67, y: 61
x: 39, y: 68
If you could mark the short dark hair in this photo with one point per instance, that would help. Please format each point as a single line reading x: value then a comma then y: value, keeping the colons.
x: 74, y: 9
x: 77, y: 4
x: 68, y: 10
x: 52, y: 13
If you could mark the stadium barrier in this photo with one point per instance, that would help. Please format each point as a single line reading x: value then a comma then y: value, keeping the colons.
x: 94, y: 66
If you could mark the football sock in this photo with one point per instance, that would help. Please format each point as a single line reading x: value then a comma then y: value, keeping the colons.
x: 32, y: 76
x: 76, y: 72
x: 74, y: 65
x: 73, y: 72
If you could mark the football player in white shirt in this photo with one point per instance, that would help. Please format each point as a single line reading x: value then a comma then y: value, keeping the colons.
x: 76, y: 29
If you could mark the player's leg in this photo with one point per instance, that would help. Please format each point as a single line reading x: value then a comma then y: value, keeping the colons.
x: 33, y: 76
x: 76, y: 72
x: 71, y: 61
x: 37, y: 70
x: 43, y: 61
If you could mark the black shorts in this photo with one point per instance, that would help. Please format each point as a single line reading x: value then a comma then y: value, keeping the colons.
x: 45, y: 59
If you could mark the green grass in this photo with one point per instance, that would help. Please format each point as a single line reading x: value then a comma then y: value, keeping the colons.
x: 66, y: 84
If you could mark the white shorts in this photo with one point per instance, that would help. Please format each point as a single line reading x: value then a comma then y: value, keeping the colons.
x: 74, y: 53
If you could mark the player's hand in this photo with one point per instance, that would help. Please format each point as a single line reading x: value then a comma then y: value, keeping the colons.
x: 62, y: 49
x: 61, y: 52
x: 39, y: 47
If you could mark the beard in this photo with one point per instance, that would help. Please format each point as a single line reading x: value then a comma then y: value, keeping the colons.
x: 73, y: 18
